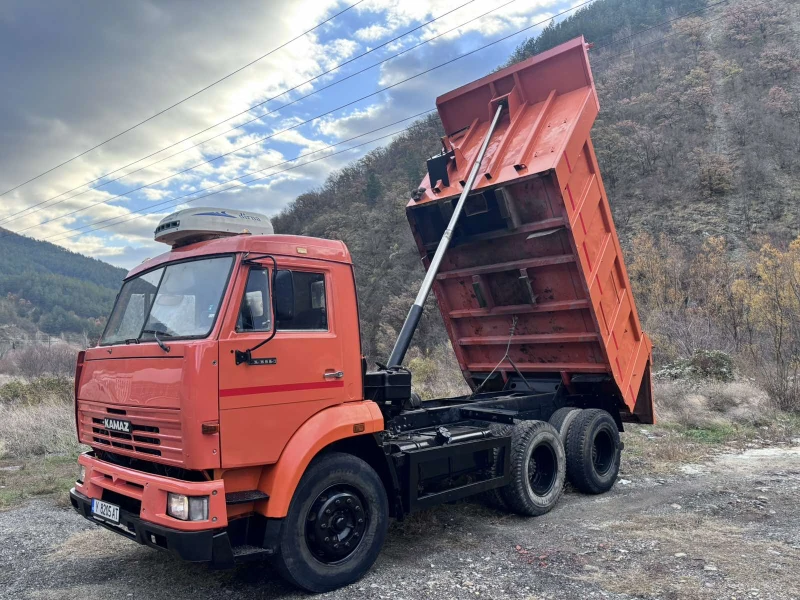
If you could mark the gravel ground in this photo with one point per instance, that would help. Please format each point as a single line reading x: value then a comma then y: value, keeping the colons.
x: 727, y: 528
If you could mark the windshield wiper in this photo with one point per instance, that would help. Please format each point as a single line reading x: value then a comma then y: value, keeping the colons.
x: 155, y: 333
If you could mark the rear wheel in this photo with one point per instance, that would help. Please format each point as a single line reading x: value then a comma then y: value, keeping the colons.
x: 336, y: 524
x: 562, y: 419
x: 537, y: 469
x: 593, y: 452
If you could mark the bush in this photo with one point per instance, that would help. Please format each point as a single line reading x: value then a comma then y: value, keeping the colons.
x: 712, y: 405
x: 436, y: 374
x: 37, y: 360
x: 703, y: 364
x: 38, y: 390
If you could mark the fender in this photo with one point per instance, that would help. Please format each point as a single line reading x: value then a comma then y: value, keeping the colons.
x: 330, y: 425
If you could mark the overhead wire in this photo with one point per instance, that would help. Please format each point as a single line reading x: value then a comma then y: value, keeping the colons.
x: 200, y: 91
x: 30, y: 209
x: 317, y: 117
x: 60, y: 236
x: 180, y: 199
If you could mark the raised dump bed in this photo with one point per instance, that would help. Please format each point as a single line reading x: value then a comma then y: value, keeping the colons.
x: 536, y: 252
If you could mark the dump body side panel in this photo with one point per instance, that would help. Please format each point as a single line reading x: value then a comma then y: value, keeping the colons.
x: 536, y: 251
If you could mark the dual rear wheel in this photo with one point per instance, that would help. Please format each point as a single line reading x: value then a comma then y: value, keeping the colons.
x: 579, y: 446
x: 592, y: 445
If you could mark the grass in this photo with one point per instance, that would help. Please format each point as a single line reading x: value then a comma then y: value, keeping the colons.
x: 713, y: 433
x: 43, y: 476
x: 30, y: 430
x: 37, y: 434
x: 663, y: 448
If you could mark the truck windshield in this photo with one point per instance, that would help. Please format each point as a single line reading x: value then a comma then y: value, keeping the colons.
x: 179, y: 300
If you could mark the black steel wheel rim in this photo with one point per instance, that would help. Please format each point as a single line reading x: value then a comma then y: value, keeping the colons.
x: 542, y: 469
x: 603, y: 451
x: 336, y: 523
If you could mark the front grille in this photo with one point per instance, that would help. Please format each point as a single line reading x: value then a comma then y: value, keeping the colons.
x: 155, y: 433
x: 119, y: 439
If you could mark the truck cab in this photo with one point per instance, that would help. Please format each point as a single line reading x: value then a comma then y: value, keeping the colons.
x: 187, y: 435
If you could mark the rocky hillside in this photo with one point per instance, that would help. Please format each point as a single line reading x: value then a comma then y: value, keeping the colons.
x: 698, y: 136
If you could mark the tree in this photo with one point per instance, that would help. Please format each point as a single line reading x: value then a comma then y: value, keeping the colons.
x: 714, y: 173
x: 772, y: 298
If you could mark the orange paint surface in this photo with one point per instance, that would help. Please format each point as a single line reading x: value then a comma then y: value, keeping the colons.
x: 257, y: 413
x: 539, y: 241
x: 151, y: 491
x: 324, y: 428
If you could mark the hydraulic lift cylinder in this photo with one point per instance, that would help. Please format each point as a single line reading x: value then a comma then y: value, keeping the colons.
x: 415, y: 313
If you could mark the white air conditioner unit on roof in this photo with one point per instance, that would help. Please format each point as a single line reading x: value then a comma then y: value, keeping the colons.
x: 200, y: 224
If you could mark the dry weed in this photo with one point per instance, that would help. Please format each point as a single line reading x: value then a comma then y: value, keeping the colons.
x: 704, y: 404
x: 37, y: 360
x: 436, y: 374
x: 47, y: 427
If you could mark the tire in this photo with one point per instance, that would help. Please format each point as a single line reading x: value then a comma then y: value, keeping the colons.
x: 345, y: 486
x: 493, y: 498
x: 537, y: 469
x: 593, y: 452
x: 562, y: 420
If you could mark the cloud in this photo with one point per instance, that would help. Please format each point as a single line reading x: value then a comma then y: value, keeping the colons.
x: 95, y: 77
x: 373, y: 33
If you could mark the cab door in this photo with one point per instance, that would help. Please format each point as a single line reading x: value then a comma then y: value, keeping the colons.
x: 294, y: 375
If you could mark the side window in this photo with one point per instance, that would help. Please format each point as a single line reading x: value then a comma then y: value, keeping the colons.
x: 254, y: 314
x: 310, y: 305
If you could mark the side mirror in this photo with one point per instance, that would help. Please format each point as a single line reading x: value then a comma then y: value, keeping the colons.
x: 283, y: 288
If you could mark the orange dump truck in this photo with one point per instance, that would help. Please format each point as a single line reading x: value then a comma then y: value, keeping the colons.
x: 231, y: 415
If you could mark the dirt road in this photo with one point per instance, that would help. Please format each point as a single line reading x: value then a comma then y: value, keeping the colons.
x: 726, y: 528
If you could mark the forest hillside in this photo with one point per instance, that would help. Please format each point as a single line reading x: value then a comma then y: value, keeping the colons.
x: 699, y: 144
x: 46, y: 288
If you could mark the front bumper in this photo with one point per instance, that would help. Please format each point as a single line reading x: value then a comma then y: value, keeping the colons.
x: 142, y: 499
x: 146, y: 494
x: 209, y: 545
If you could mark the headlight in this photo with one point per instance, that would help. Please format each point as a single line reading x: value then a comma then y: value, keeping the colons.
x: 81, y: 473
x: 187, y: 508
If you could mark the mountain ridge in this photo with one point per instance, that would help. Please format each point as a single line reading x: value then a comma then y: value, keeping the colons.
x: 44, y: 287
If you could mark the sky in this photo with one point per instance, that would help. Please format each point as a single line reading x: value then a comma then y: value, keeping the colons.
x: 75, y: 74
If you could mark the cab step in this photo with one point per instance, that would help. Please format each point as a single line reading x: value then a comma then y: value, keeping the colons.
x: 245, y: 497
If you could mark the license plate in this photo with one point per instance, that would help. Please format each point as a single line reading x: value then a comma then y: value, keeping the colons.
x: 106, y: 511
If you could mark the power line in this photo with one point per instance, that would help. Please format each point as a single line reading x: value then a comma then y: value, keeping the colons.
x: 200, y: 91
x: 107, y: 200
x: 296, y: 125
x: 398, y: 83
x: 10, y: 218
x: 176, y: 201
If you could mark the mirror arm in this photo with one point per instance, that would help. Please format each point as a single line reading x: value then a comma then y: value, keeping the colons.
x: 246, y: 356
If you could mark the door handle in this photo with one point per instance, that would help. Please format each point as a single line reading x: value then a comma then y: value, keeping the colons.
x: 336, y: 375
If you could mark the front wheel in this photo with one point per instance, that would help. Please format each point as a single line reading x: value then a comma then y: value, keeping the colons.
x: 336, y: 524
